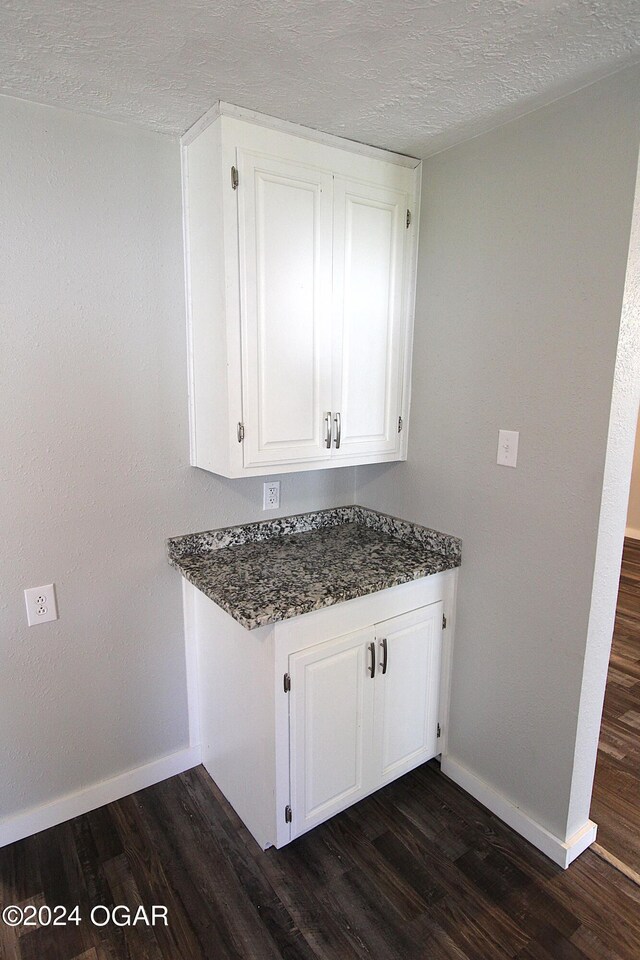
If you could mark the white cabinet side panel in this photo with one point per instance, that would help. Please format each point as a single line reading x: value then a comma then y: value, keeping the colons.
x: 237, y: 714
x: 206, y: 302
x: 409, y: 284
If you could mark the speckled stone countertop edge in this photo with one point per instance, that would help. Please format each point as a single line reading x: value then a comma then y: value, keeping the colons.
x: 309, y: 606
x: 199, y: 544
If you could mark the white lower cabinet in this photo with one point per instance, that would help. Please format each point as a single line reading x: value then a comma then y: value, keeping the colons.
x: 363, y: 711
x: 300, y: 719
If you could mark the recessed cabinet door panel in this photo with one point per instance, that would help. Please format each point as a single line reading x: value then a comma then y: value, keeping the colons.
x: 369, y: 249
x: 406, y: 708
x: 331, y: 728
x: 285, y: 228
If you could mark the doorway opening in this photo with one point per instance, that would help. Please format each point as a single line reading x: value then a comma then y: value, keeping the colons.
x: 615, y: 805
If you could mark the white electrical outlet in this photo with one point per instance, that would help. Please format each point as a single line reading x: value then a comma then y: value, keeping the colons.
x: 41, y: 604
x: 271, y: 495
x: 508, y: 448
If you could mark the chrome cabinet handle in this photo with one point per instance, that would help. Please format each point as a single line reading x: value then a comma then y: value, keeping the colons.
x: 327, y: 425
x: 385, y: 655
x: 372, y: 668
x: 336, y: 420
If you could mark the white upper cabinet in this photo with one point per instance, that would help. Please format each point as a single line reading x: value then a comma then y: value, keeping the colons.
x: 301, y: 256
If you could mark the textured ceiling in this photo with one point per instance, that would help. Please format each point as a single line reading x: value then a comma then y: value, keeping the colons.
x: 411, y: 75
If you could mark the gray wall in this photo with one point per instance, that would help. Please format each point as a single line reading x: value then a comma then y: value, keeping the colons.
x: 524, y: 240
x: 94, y: 470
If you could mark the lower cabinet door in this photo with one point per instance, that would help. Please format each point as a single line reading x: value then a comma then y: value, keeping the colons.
x: 406, y: 695
x: 330, y: 728
x: 353, y: 728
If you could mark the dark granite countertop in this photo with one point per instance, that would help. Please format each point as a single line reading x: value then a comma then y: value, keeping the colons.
x: 264, y: 572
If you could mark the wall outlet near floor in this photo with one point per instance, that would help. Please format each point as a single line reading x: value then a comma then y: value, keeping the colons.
x: 41, y: 604
x: 508, y: 448
x: 271, y: 495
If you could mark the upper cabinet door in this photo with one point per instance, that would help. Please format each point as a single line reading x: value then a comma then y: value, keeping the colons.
x: 369, y: 249
x: 285, y: 250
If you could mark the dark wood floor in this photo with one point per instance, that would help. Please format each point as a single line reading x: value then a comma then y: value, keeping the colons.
x: 417, y: 872
x: 616, y: 794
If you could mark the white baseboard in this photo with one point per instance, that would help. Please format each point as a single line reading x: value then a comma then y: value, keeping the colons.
x: 106, y: 791
x: 632, y: 533
x: 562, y: 852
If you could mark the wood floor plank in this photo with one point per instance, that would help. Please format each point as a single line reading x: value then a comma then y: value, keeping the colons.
x: 413, y: 870
x: 363, y: 912
x: 257, y: 911
x: 251, y: 912
x: 399, y: 897
x: 312, y: 863
x: 106, y: 840
x: 150, y: 871
x: 519, y: 896
x: 601, y: 898
x: 478, y: 934
x: 139, y: 940
x: 437, y: 944
x: 593, y: 947
x: 62, y: 885
x: 551, y: 946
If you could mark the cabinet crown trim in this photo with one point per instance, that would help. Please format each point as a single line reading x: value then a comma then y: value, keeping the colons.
x: 223, y: 109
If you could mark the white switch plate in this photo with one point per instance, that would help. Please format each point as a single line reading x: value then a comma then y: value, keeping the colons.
x: 271, y: 495
x: 508, y: 448
x: 41, y: 604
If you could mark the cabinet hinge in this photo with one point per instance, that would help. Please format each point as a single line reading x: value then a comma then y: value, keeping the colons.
x: 287, y: 682
x: 444, y: 622
x: 288, y: 816
x: 408, y: 219
x: 234, y: 179
x: 240, y: 432
x: 400, y: 424
x: 438, y: 731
